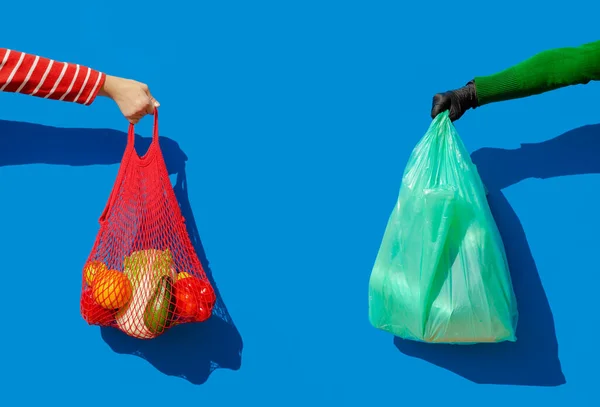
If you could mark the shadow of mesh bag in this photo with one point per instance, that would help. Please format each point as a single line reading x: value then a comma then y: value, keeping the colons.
x: 441, y: 274
x: 143, y: 275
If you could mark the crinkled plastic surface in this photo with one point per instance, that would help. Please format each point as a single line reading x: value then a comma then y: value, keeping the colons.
x: 441, y: 273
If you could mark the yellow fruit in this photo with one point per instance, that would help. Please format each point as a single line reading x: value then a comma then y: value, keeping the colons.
x: 111, y: 289
x: 91, y: 269
x: 183, y: 275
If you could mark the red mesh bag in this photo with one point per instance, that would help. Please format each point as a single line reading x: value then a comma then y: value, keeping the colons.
x: 143, y: 275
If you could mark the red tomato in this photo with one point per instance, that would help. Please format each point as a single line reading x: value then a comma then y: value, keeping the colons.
x: 204, y: 312
x: 92, y: 312
x: 185, y: 301
x: 206, y: 292
x: 194, y: 298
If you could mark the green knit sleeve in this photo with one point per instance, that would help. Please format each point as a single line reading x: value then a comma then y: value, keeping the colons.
x: 548, y: 70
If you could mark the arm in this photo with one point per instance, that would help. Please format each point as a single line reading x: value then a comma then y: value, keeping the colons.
x: 42, y: 77
x: 545, y: 71
x: 49, y: 79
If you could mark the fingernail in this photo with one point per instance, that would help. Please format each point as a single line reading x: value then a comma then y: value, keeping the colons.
x: 156, y: 104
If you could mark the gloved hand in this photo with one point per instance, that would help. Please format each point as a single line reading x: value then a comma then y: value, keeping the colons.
x: 458, y: 101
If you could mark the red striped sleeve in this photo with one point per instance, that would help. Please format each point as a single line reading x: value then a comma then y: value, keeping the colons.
x: 46, y: 78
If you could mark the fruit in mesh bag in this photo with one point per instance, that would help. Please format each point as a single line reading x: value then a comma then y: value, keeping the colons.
x: 148, y: 312
x: 93, y: 312
x: 195, y: 298
x: 91, y: 269
x: 111, y: 289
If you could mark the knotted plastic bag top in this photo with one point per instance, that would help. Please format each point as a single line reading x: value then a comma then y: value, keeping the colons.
x: 143, y: 275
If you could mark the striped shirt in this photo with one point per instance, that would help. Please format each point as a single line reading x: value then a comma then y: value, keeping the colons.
x: 42, y: 77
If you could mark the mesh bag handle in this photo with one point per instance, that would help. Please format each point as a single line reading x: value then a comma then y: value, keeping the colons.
x: 131, y: 157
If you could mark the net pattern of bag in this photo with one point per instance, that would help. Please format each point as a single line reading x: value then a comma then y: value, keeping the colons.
x: 143, y: 275
x: 441, y: 273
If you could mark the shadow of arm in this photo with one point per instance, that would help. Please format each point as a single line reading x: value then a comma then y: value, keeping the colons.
x: 572, y: 153
x: 24, y: 143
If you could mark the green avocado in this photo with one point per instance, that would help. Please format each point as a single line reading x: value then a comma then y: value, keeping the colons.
x: 159, y: 310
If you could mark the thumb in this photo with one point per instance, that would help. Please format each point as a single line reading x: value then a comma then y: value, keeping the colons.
x: 152, y: 103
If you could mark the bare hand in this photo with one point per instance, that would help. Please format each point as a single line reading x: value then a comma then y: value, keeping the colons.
x: 132, y: 97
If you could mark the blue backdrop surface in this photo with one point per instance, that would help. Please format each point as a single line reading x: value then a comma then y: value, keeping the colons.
x: 286, y: 127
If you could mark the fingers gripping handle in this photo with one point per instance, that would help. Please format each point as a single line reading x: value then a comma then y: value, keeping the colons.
x: 131, y: 133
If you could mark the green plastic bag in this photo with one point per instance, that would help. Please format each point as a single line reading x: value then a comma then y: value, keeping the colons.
x: 441, y: 273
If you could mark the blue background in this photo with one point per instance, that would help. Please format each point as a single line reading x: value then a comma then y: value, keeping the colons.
x: 293, y: 122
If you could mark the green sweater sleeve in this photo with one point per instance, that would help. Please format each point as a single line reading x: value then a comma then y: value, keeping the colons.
x: 548, y: 70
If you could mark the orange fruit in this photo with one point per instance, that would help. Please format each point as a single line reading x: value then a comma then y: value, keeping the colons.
x: 91, y: 269
x: 111, y: 289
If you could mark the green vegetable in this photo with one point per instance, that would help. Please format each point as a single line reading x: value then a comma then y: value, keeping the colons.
x: 156, y: 262
x: 160, y: 308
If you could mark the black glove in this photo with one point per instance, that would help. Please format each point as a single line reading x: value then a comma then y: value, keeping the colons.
x: 457, y: 101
